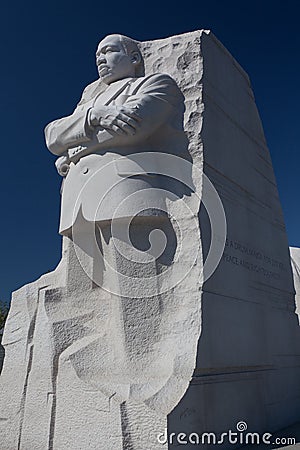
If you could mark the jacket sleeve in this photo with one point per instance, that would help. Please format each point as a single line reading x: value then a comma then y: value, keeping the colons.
x: 156, y: 101
x: 69, y: 131
x: 66, y: 132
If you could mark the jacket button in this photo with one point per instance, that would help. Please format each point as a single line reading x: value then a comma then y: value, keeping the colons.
x: 85, y: 170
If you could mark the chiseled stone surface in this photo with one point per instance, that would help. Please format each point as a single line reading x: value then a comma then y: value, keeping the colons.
x: 295, y: 258
x: 86, y: 369
x: 1, y: 352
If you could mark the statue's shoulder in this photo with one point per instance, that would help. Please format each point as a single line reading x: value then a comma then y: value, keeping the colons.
x: 155, y: 79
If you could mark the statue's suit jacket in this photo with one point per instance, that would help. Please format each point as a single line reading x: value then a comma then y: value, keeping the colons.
x: 99, y: 183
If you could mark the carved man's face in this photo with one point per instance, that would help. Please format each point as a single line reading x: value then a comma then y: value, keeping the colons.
x: 113, y: 62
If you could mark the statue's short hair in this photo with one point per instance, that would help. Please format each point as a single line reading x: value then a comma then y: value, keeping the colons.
x: 130, y: 45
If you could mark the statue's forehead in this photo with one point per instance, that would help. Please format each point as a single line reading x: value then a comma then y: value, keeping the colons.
x: 113, y: 39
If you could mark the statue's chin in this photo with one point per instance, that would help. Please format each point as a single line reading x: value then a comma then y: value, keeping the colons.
x: 107, y: 79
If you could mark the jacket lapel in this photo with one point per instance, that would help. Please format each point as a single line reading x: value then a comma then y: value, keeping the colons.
x: 112, y: 91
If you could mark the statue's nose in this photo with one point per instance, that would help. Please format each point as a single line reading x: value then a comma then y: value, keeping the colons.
x: 101, y: 59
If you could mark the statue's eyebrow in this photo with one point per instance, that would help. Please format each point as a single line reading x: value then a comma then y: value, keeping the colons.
x: 103, y: 49
x: 100, y: 50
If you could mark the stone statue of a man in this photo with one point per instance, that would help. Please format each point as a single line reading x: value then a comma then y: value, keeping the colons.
x: 121, y: 113
x: 115, y: 327
x: 119, y: 348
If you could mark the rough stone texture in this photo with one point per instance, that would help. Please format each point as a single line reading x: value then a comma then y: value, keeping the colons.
x: 85, y: 369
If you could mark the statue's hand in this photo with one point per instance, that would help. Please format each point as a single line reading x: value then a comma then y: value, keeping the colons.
x: 120, y: 119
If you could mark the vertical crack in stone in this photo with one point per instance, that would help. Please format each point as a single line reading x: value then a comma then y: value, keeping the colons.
x: 53, y: 407
x: 24, y: 394
x: 126, y: 437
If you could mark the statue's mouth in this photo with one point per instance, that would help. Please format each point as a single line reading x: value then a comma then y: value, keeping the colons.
x: 102, y: 68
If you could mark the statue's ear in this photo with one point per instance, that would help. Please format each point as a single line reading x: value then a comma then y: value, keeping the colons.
x: 136, y: 58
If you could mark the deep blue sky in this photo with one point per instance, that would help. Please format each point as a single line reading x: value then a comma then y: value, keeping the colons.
x: 47, y: 50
